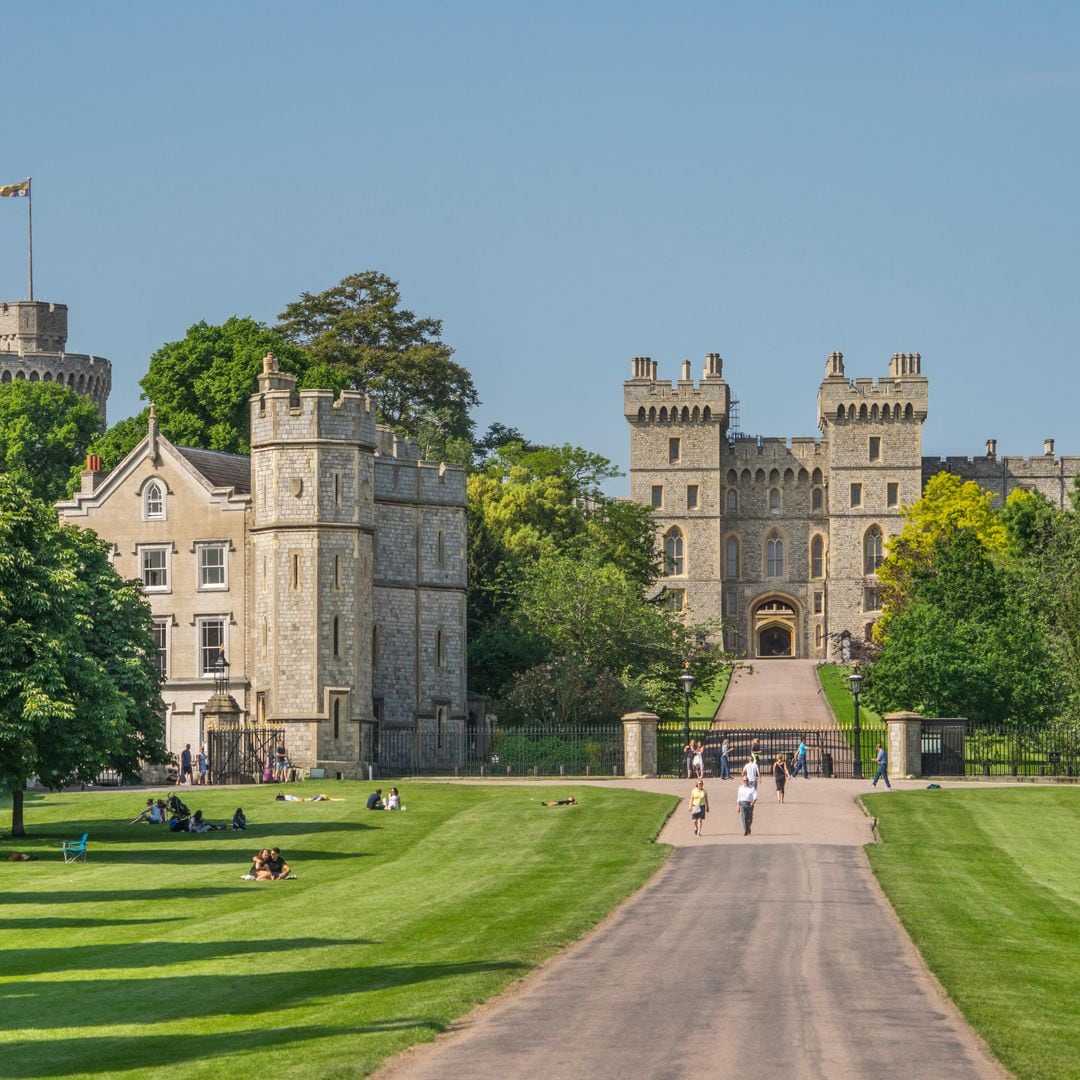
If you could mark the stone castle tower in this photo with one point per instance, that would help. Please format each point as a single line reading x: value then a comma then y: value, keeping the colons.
x: 33, y: 340
x: 780, y: 539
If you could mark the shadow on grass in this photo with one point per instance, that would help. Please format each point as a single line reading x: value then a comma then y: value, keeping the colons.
x: 80, y: 924
x: 100, y: 896
x: 61, y: 1057
x: 203, y: 852
x: 149, y: 954
x: 105, y: 831
x: 89, y: 1003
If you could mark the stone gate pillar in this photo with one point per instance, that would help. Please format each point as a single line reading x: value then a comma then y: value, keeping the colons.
x: 905, y: 743
x: 639, y: 743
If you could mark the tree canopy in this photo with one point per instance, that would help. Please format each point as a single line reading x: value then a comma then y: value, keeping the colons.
x: 79, y: 690
x: 45, y: 430
x: 358, y: 335
x: 201, y: 384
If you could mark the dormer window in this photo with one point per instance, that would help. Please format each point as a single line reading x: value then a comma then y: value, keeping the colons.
x: 154, y: 501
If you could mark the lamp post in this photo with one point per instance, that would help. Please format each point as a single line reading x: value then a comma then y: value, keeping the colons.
x: 855, y: 680
x: 221, y: 673
x: 687, y: 681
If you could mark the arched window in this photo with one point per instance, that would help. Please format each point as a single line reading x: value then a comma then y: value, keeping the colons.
x: 862, y: 412
x: 817, y: 557
x: 839, y: 412
x: 673, y: 552
x: 774, y: 476
x: 909, y: 412
x: 774, y: 556
x: 731, y: 558
x: 154, y: 501
x: 732, y: 477
x: 732, y: 501
x: 706, y: 413
x: 873, y: 549
x: 886, y: 413
x: 641, y: 414
x: 816, y: 476
x: 817, y: 500
x: 774, y: 499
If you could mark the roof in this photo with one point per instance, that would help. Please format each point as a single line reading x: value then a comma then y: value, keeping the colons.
x: 218, y: 469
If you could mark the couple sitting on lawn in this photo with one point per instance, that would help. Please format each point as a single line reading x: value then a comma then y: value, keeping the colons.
x: 269, y: 865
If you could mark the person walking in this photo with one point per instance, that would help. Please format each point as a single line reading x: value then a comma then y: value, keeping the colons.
x: 751, y: 773
x: 699, y: 806
x: 688, y: 750
x: 882, y: 767
x: 185, y: 764
x: 744, y: 806
x: 699, y: 760
x: 725, y: 764
x: 800, y: 760
x: 780, y: 775
x: 203, y: 763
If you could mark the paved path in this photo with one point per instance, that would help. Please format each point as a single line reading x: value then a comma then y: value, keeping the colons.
x: 776, y: 693
x: 773, y: 955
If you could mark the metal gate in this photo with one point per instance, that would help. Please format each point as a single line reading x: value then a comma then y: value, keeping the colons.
x: 238, y: 754
x: 943, y: 748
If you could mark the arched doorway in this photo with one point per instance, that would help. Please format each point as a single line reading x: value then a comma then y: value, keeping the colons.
x: 775, y: 628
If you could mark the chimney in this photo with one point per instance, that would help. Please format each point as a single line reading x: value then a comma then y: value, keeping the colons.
x: 1048, y: 447
x: 991, y: 448
x: 686, y: 372
x: 92, y: 475
x: 714, y: 366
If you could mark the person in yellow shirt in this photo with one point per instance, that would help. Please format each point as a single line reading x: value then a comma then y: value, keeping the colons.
x: 699, y: 806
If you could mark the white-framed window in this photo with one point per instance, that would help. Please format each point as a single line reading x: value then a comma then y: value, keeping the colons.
x: 161, y: 639
x: 673, y: 552
x: 213, y: 566
x: 817, y: 557
x: 154, y: 567
x: 211, y: 630
x: 873, y: 550
x: 153, y: 501
x: 774, y: 556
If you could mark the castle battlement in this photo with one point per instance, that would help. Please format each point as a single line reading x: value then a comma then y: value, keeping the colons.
x: 648, y: 399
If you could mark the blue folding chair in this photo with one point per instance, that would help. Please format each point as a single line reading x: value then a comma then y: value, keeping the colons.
x: 75, y: 850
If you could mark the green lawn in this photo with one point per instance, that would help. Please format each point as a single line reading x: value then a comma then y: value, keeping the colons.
x: 837, y: 690
x: 154, y: 956
x: 987, y: 882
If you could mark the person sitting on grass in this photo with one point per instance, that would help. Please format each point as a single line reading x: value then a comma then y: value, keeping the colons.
x: 393, y: 800
x: 374, y: 801
x: 274, y: 868
x: 239, y: 820
x: 568, y: 801
x: 258, y: 863
x: 198, y: 824
x: 147, y: 815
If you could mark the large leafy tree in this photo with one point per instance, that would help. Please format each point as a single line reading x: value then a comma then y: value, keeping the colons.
x: 78, y: 688
x: 201, y: 384
x: 45, y: 430
x: 359, y: 335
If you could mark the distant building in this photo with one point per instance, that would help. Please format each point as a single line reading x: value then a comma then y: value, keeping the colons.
x: 781, y: 539
x: 33, y: 340
x: 328, y: 569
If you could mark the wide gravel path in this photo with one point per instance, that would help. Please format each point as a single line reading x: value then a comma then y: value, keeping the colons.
x: 775, y: 693
x: 769, y: 955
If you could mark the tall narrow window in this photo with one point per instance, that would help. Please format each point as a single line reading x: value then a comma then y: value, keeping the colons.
x: 674, y: 450
x: 657, y: 496
x: 731, y: 558
x: 817, y: 500
x: 774, y: 500
x: 211, y: 643
x: 440, y: 725
x: 691, y: 496
x: 440, y: 648
x: 154, y: 568
x: 440, y: 549
x: 337, y: 572
x: 675, y: 599
x: 375, y: 646
x: 294, y: 576
x: 337, y: 492
x: 817, y: 557
x: 774, y: 556
x: 856, y: 495
x: 337, y: 719
x: 731, y: 603
x: 154, y: 500
x: 161, y: 639
x: 337, y: 637
x: 875, y: 448
x: 212, y: 566
x: 871, y: 599
x: 873, y: 550
x: 673, y: 553
x: 819, y: 603
x: 265, y: 636
x: 892, y: 495
x: 732, y: 501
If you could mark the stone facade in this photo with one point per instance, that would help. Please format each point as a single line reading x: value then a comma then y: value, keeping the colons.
x: 330, y: 566
x: 33, y: 339
x: 780, y: 538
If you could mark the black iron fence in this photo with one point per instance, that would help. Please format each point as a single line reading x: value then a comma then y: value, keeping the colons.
x: 501, y: 751
x: 996, y: 750
x: 239, y: 754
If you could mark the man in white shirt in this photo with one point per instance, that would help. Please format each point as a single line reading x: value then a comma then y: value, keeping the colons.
x: 744, y: 806
x: 751, y: 773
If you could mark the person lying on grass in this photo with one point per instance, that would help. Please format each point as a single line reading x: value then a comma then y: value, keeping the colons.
x: 568, y: 801
x: 198, y: 824
x: 310, y: 798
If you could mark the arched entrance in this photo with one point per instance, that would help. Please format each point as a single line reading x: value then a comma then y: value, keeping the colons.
x: 775, y: 628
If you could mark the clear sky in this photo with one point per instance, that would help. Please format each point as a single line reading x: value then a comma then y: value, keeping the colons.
x: 567, y: 185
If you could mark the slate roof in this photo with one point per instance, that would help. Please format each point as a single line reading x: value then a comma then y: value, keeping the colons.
x: 220, y: 470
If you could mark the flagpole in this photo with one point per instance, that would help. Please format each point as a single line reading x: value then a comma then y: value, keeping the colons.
x: 30, y: 232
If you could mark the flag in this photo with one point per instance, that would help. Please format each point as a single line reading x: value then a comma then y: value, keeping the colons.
x: 15, y: 191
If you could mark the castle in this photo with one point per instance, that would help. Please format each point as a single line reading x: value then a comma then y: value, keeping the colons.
x: 33, y: 340
x: 326, y: 573
x: 781, y: 539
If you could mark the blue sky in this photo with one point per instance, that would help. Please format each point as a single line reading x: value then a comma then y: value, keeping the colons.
x: 569, y: 185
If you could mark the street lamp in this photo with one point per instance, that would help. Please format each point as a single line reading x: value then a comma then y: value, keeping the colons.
x: 220, y: 668
x: 687, y: 681
x: 855, y: 679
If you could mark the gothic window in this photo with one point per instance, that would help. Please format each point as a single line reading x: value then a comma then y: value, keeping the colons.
x: 774, y: 476
x: 732, y: 477
x: 909, y: 412
x: 873, y: 550
x: 673, y: 553
x: 774, y: 556
x: 731, y: 603
x: 817, y: 557
x: 862, y: 412
x: 732, y: 501
x: 840, y: 412
x: 675, y: 599
x: 731, y: 558
x: 154, y: 501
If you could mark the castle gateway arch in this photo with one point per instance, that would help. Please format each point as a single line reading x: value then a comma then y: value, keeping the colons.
x: 775, y: 621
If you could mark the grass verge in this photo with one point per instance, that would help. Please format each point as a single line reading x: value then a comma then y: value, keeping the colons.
x: 987, y: 883
x: 154, y: 955
x: 837, y: 690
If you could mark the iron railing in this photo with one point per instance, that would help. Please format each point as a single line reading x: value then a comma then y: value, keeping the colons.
x: 1052, y: 750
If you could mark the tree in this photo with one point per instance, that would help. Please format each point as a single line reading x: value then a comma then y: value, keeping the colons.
x: 45, y: 429
x: 201, y: 384
x: 79, y: 690
x: 359, y: 332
